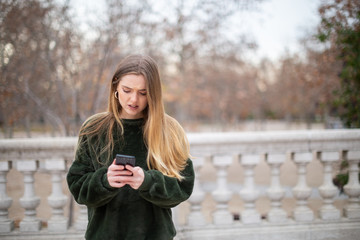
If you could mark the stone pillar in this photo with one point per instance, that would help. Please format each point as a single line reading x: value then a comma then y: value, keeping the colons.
x: 249, y: 193
x: 196, y: 218
x: 57, y: 200
x: 302, y: 192
x: 328, y: 190
x: 352, y: 188
x: 222, y: 194
x: 276, y: 192
x: 6, y: 225
x: 29, y: 201
x: 82, y: 219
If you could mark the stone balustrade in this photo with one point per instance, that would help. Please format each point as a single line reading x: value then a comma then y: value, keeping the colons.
x: 253, y: 185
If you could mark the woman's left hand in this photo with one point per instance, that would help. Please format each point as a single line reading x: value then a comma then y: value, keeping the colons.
x: 136, y: 179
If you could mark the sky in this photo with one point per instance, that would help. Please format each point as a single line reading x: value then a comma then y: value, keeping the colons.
x: 276, y: 25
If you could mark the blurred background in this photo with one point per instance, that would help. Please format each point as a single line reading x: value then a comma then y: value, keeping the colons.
x: 226, y: 65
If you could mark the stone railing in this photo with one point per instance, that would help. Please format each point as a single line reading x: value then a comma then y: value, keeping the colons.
x: 253, y: 185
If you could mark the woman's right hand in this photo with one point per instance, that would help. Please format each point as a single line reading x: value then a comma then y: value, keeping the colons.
x: 115, y: 172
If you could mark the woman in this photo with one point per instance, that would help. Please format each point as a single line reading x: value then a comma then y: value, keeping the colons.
x: 126, y: 202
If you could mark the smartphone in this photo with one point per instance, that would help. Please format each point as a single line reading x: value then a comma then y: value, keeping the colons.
x: 125, y: 160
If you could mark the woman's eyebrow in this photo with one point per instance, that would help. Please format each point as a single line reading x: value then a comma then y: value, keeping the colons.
x: 131, y: 88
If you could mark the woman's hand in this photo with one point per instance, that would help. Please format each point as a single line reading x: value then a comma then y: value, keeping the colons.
x: 136, y: 179
x: 114, y: 173
x: 118, y: 176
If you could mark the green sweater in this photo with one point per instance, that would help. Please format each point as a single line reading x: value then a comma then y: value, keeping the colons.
x: 125, y: 213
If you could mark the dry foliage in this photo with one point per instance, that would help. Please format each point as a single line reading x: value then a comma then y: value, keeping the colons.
x: 54, y: 73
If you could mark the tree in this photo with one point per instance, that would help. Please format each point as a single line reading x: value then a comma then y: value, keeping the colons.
x: 53, y: 72
x: 186, y: 41
x: 306, y: 85
x: 200, y: 55
x: 340, y: 31
x: 37, y: 46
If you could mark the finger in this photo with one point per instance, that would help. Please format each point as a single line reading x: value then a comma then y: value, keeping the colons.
x: 137, y: 171
x: 114, y: 167
x: 138, y: 177
x: 124, y: 173
x: 114, y: 172
x: 129, y: 167
x: 126, y: 179
x: 115, y: 181
x: 113, y: 163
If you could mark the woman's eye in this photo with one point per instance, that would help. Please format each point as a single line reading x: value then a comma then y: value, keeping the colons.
x: 126, y: 91
x: 143, y: 93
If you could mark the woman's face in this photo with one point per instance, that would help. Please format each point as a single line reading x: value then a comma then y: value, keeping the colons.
x: 132, y: 96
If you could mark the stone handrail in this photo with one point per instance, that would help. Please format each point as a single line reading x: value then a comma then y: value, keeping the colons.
x: 234, y: 159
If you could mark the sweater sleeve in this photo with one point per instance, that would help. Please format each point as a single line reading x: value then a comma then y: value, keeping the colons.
x: 167, y: 192
x: 87, y: 185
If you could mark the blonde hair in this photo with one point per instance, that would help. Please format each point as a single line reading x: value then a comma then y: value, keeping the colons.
x: 168, y: 147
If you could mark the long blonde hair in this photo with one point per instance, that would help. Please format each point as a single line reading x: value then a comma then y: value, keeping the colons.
x: 168, y: 147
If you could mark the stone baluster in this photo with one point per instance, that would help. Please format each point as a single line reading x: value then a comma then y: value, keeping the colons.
x: 222, y: 194
x: 249, y: 193
x: 302, y: 192
x: 57, y: 200
x: 328, y: 190
x: 352, y: 188
x: 6, y: 225
x: 196, y: 218
x: 82, y: 219
x: 29, y: 201
x: 276, y: 192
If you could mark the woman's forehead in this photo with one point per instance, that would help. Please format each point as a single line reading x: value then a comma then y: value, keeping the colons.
x: 134, y: 81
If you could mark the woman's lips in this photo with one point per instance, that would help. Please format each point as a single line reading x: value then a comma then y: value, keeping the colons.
x: 133, y: 107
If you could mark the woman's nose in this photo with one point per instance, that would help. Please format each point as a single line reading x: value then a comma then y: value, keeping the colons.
x: 134, y: 97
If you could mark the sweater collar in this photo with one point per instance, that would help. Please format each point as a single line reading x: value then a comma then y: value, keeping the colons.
x: 133, y: 122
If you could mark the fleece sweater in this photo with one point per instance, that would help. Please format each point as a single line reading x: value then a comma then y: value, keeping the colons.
x: 125, y: 213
